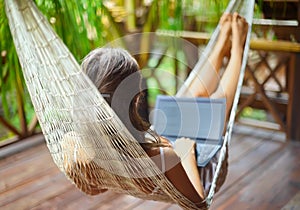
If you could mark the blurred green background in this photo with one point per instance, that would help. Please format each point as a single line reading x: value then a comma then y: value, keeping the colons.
x: 84, y: 25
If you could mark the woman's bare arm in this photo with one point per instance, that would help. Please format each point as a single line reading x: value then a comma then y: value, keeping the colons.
x: 176, y: 173
x: 181, y: 173
x: 185, y: 149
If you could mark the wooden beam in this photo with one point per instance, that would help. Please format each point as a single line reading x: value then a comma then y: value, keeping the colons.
x: 255, y: 44
x: 194, y: 37
x: 259, y: 124
x: 281, y: 1
x: 272, y: 22
x: 278, y: 45
x: 258, y: 104
x: 18, y: 146
x: 293, y: 112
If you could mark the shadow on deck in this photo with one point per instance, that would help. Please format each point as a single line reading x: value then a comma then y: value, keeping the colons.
x: 264, y: 173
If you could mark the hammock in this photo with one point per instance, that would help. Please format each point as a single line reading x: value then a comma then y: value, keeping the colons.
x: 72, y: 111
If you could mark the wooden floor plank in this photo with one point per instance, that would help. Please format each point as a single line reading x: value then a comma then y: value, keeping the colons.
x: 14, y: 193
x: 248, y: 163
x: 89, y: 202
x: 173, y: 207
x: 60, y: 201
x: 30, y: 194
x: 268, y: 179
x: 30, y: 179
x: 150, y: 205
x: 11, y: 176
x: 273, y: 182
x: 30, y: 153
x: 246, y: 139
x: 123, y: 201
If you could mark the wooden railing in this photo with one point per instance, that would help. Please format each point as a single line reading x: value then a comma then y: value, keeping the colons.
x: 270, y: 83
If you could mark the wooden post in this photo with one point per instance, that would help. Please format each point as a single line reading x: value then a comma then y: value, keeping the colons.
x: 293, y: 112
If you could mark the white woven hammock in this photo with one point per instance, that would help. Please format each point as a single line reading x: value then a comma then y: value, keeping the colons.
x: 71, y: 111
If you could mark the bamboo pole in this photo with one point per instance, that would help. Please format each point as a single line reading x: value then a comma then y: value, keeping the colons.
x: 276, y: 45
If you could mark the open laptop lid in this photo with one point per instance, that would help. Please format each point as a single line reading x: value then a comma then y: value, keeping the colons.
x: 195, y: 118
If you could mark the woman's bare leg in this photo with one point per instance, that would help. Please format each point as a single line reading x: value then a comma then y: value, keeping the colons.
x: 228, y: 85
x: 229, y: 80
x: 207, y: 80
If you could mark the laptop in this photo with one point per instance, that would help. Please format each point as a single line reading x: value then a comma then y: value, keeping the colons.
x: 200, y: 119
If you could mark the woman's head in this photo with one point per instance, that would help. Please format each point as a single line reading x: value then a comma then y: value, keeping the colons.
x: 107, y: 67
x: 116, y: 75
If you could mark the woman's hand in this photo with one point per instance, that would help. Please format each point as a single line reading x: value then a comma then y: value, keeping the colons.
x: 184, y: 146
x: 165, y: 141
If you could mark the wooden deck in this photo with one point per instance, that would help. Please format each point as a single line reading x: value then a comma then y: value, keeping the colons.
x: 264, y: 173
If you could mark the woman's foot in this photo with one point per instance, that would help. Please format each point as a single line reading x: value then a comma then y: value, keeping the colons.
x: 223, y: 44
x: 239, y: 33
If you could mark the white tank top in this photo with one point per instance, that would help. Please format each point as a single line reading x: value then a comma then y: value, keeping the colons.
x: 162, y: 158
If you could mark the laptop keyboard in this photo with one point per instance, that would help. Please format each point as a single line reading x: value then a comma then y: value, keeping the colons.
x: 206, y: 152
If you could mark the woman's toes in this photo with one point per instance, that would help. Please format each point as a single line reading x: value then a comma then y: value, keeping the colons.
x: 225, y: 17
x: 235, y: 16
x: 239, y: 30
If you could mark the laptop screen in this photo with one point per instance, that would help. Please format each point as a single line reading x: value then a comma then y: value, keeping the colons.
x: 195, y: 118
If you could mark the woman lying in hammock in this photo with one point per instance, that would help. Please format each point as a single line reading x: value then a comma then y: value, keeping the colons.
x: 108, y: 68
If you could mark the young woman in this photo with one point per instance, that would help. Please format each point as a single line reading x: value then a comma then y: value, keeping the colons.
x: 109, y: 68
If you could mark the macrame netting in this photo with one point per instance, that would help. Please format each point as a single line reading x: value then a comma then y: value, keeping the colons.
x: 86, y: 139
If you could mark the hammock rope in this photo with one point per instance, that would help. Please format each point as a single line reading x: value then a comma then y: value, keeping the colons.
x: 86, y: 139
x: 246, y: 9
